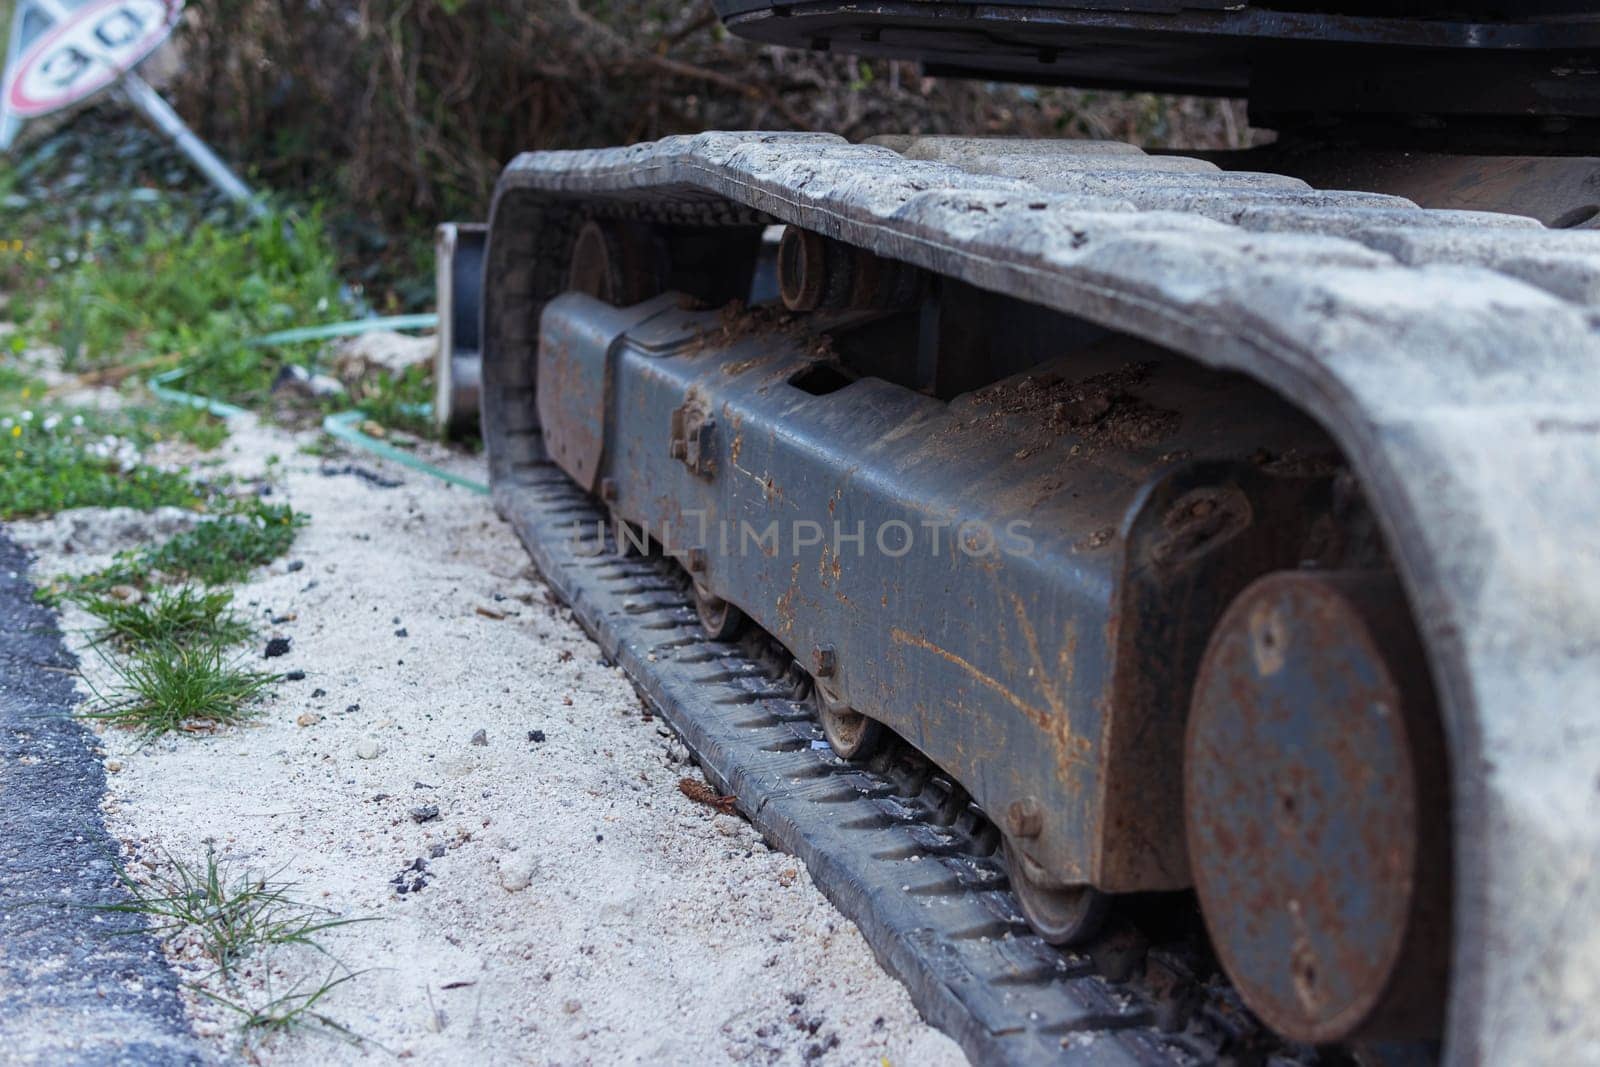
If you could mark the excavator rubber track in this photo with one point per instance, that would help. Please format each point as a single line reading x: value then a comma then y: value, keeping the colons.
x: 1451, y: 355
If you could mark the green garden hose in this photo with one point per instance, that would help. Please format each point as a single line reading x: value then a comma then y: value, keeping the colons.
x: 342, y: 425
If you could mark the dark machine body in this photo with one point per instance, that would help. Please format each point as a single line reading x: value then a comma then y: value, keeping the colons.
x: 1468, y: 70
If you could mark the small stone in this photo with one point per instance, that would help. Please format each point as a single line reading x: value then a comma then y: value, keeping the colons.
x: 518, y: 870
x: 676, y: 753
x: 295, y: 676
x: 311, y: 718
x: 126, y: 593
x: 787, y: 876
x: 536, y: 736
x: 368, y: 748
x: 571, y: 1007
x: 295, y: 565
x: 480, y: 737
x: 277, y: 646
x: 113, y: 765
x: 436, y: 851
x: 318, y: 692
x: 401, y: 632
x: 425, y: 813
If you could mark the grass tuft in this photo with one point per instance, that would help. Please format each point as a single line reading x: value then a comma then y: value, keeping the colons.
x: 294, y: 1010
x: 169, y: 688
x: 182, y: 616
x: 231, y: 915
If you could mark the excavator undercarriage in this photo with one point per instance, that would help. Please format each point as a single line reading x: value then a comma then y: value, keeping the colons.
x: 1222, y: 545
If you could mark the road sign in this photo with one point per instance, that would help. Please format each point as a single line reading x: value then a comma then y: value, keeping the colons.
x: 85, y: 51
x: 64, y: 51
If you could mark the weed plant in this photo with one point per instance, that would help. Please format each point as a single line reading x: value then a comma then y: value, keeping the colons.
x: 294, y: 1010
x: 226, y: 550
x: 235, y: 917
x: 232, y: 915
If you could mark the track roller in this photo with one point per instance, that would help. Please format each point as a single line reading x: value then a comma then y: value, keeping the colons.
x: 851, y: 734
x: 723, y: 621
x: 1061, y: 914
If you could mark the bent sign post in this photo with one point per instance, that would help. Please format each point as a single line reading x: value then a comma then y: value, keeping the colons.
x: 59, y: 55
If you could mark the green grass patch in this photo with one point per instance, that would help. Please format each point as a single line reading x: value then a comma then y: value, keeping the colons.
x: 60, y: 456
x: 146, y: 425
x: 185, y: 615
x: 226, y: 550
x: 17, y: 386
x: 216, y: 552
x: 51, y: 465
x: 322, y: 446
x: 169, y: 688
x: 196, y: 293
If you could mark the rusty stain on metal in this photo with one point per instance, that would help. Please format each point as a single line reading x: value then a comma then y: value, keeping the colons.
x: 1056, y: 725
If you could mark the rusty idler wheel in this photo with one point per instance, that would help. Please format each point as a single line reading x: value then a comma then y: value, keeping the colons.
x: 818, y: 272
x: 1317, y: 809
x: 850, y: 734
x: 1061, y: 914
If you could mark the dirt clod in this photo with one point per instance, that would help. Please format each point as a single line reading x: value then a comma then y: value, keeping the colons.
x: 701, y: 793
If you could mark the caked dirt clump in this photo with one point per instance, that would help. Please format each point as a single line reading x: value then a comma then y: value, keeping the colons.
x: 1103, y: 410
x: 736, y: 321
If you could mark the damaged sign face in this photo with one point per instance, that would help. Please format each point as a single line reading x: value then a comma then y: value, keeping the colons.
x: 87, y: 49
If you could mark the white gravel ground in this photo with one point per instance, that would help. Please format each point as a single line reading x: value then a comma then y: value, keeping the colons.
x: 577, y: 907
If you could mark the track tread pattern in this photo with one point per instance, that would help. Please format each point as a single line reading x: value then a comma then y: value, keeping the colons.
x: 930, y: 898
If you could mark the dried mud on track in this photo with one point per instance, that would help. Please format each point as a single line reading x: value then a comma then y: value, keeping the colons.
x: 572, y: 904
